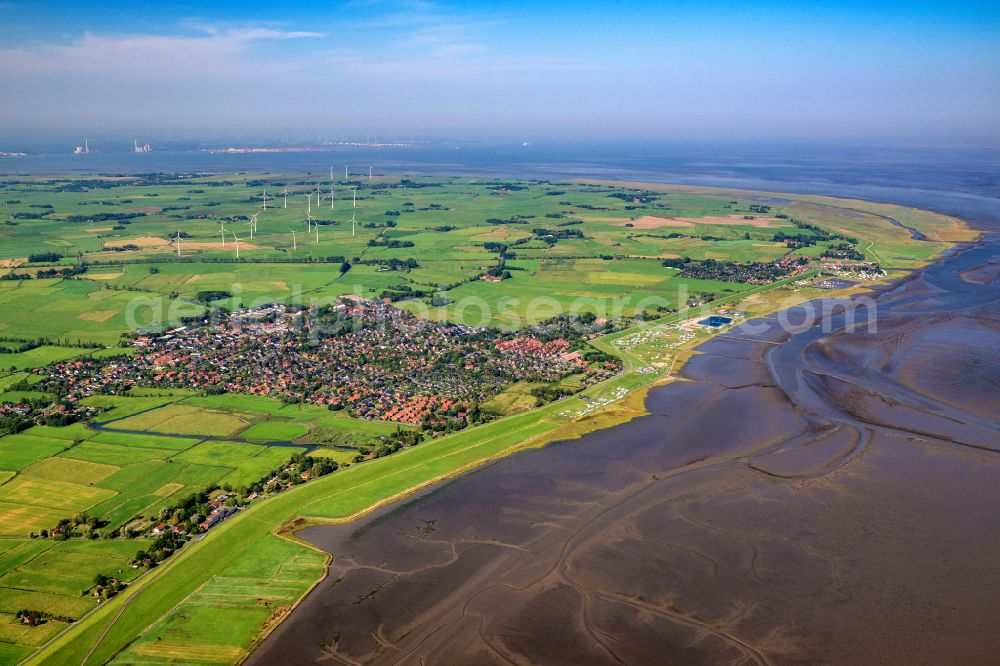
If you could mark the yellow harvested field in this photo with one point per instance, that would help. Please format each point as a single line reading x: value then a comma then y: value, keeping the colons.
x: 168, y: 489
x: 70, y: 470
x: 190, y: 653
x: 141, y: 241
x: 186, y: 419
x: 12, y: 631
x: 653, y: 222
x: 733, y: 219
x: 623, y: 279
x: 18, y: 520
x: 97, y: 315
x: 662, y: 255
x: 60, y: 496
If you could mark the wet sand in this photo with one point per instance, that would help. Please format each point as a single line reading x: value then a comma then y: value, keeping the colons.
x: 831, y: 498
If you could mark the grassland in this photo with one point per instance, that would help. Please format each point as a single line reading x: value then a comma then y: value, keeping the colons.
x: 210, y: 603
x: 68, y: 310
x: 37, y: 357
x: 47, y: 474
x: 50, y: 576
x: 146, y: 284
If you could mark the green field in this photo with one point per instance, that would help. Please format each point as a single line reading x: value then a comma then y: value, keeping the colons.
x: 147, y: 281
x: 49, y: 576
x: 208, y: 604
x: 49, y: 473
x: 185, y: 420
x: 69, y: 310
x: 275, y: 430
x: 37, y: 357
x: 24, y: 449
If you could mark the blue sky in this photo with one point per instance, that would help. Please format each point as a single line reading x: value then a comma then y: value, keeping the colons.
x: 892, y: 71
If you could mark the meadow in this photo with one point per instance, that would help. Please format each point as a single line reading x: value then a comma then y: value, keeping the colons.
x: 126, y: 476
x: 126, y: 236
x: 211, y: 602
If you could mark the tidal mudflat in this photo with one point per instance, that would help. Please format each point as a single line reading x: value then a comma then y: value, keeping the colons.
x: 823, y: 497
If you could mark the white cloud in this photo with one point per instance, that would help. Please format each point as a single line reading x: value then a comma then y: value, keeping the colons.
x: 115, y: 55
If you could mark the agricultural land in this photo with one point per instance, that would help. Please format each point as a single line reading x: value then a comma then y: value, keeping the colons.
x: 186, y: 376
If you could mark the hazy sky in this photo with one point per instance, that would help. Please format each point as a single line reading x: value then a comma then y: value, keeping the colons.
x: 909, y: 71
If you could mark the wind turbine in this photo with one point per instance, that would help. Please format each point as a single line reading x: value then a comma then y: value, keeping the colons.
x: 345, y: 172
x: 237, y: 244
x: 354, y: 213
x: 253, y: 224
x: 222, y: 232
x: 309, y: 217
x: 294, y: 246
x: 331, y: 195
x: 369, y: 173
x: 177, y: 240
x: 316, y: 227
x: 265, y: 197
x: 285, y: 193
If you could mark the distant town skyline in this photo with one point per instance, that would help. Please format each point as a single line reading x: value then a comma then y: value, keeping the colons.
x: 907, y: 72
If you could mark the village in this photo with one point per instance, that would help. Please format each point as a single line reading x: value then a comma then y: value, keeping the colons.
x: 364, y: 357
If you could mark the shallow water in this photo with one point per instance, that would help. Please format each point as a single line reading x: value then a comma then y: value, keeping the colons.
x: 826, y: 499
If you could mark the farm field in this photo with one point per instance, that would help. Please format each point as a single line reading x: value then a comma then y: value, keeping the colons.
x: 124, y: 234
x: 275, y: 430
x: 49, y: 576
x: 179, y: 419
x: 50, y: 473
x: 37, y: 357
x: 586, y: 247
x: 72, y: 311
x: 220, y: 557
